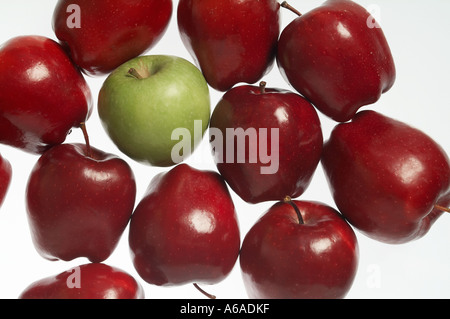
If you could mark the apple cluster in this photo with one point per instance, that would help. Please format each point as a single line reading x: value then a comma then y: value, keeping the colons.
x: 389, y: 181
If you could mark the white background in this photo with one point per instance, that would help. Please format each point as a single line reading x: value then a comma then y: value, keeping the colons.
x: 418, y: 36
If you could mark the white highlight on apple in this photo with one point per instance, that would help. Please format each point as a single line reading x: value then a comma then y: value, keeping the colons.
x: 38, y: 72
x: 202, y: 221
x: 74, y: 19
x: 236, y: 141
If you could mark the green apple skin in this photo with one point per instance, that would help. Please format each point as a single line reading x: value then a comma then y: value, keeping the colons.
x: 139, y: 112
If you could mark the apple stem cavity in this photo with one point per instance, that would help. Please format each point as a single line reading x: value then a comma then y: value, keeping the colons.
x: 286, y: 5
x: 204, y: 292
x: 86, y: 139
x: 442, y: 208
x: 289, y: 201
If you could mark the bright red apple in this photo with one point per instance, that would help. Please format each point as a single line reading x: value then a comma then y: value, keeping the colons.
x: 101, y: 35
x: 185, y: 229
x: 79, y: 201
x: 390, y: 180
x: 232, y: 41
x: 267, y: 142
x: 337, y: 57
x: 5, y: 178
x: 88, y: 281
x: 299, y: 250
x: 42, y: 94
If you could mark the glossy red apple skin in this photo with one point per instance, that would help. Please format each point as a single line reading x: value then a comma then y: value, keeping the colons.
x: 284, y: 259
x: 231, y: 41
x: 185, y: 229
x: 42, y: 94
x: 5, y: 178
x: 300, y: 142
x: 111, y: 32
x: 79, y: 205
x: 97, y: 281
x: 335, y: 57
x: 386, y: 177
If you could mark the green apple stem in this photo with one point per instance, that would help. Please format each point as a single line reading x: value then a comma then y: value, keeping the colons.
x: 86, y: 139
x: 444, y: 209
x: 135, y: 73
x: 286, y: 5
x: 262, y: 87
x: 204, y: 292
x: 289, y: 201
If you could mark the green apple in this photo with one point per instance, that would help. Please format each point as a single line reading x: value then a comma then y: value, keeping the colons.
x: 148, y: 103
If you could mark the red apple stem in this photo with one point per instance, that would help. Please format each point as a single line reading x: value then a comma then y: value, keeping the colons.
x: 286, y: 5
x: 289, y: 201
x: 86, y: 139
x: 204, y: 292
x: 442, y: 208
x: 262, y: 87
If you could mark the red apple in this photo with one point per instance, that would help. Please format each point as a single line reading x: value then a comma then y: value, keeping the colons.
x: 299, y: 250
x: 42, y: 94
x: 5, y: 178
x: 267, y: 142
x: 101, y: 35
x: 336, y: 59
x: 232, y: 41
x: 185, y: 229
x: 79, y: 201
x: 88, y: 281
x: 390, y: 180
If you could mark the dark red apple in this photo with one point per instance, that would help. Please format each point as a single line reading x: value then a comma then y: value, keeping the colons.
x: 185, y: 229
x: 267, y: 142
x: 390, y: 180
x: 88, y: 281
x: 42, y: 94
x: 232, y: 41
x: 336, y: 59
x: 102, y: 35
x: 79, y: 201
x: 299, y: 250
x: 5, y: 178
